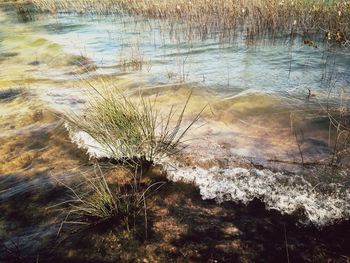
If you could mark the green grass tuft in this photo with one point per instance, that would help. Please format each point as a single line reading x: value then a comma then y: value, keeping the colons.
x: 94, y: 201
x: 130, y: 129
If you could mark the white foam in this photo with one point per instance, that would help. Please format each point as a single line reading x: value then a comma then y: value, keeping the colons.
x: 289, y: 194
x: 285, y: 193
x: 86, y: 142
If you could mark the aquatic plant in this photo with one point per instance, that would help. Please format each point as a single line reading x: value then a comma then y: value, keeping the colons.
x: 131, y: 130
x: 133, y: 59
x: 333, y: 111
x: 24, y: 13
x: 338, y: 113
x: 203, y: 17
x: 133, y: 64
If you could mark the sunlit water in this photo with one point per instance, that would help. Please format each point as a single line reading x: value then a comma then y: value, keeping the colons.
x: 255, y: 91
x: 257, y: 95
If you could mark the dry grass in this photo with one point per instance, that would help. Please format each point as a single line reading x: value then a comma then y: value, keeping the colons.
x: 203, y: 17
x: 334, y: 110
x: 338, y: 112
x: 133, y: 64
x: 133, y: 60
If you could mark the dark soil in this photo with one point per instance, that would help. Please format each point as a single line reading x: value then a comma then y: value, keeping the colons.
x: 184, y: 228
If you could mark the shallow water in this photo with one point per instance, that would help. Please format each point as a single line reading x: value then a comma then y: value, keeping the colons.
x: 255, y: 92
x: 259, y: 89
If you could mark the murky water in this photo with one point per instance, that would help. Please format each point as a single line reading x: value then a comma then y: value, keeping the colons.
x: 255, y: 93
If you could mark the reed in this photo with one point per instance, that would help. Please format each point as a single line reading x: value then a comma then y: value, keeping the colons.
x: 133, y: 60
x: 203, y: 17
x: 338, y: 113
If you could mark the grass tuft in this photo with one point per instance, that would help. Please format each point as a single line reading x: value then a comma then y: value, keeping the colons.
x: 94, y: 201
x: 132, y: 130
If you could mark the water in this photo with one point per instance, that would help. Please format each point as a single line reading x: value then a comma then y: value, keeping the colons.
x: 255, y: 93
x: 259, y: 88
x: 279, y: 67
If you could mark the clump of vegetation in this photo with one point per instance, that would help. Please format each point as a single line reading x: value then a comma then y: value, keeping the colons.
x: 134, y: 60
x: 5, y: 55
x: 132, y: 130
x: 203, y: 17
x: 24, y: 13
x: 79, y: 60
x: 134, y: 63
x: 81, y: 63
x: 94, y: 201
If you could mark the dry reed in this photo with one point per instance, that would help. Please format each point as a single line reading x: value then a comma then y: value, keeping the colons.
x: 203, y: 17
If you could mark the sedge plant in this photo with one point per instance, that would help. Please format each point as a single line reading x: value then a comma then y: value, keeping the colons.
x: 132, y: 129
x: 93, y: 201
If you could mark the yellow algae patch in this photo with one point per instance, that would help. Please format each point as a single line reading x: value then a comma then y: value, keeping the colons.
x: 4, y: 83
x: 25, y: 53
x: 31, y: 47
x: 248, y: 102
x: 38, y: 42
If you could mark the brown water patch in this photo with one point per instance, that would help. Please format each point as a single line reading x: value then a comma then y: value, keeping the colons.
x: 32, y: 138
x: 11, y: 94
